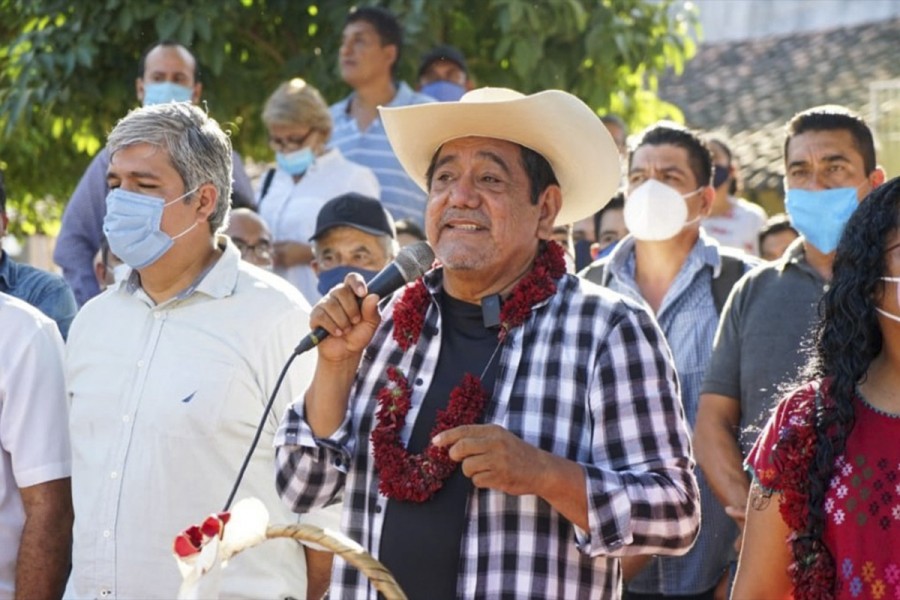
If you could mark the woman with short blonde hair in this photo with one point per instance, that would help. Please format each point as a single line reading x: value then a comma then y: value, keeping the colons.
x: 306, y: 176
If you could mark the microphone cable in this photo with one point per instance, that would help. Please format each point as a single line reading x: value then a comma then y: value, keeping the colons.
x: 411, y: 262
x: 259, y: 429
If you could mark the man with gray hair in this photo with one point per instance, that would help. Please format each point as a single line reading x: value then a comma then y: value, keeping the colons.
x: 170, y: 370
x: 167, y: 72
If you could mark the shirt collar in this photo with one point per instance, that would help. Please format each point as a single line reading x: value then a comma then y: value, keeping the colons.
x: 704, y: 253
x: 218, y: 280
x: 434, y: 283
x: 794, y: 254
x: 403, y: 97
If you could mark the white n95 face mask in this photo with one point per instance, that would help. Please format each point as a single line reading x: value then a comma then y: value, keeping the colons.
x: 655, y: 211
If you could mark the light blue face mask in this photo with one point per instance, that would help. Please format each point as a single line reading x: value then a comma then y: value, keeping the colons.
x: 160, y: 92
x: 132, y: 225
x: 332, y: 277
x: 820, y: 215
x: 295, y: 163
x: 607, y: 251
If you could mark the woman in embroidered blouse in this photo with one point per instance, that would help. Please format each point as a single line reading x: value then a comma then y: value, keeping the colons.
x: 824, y: 515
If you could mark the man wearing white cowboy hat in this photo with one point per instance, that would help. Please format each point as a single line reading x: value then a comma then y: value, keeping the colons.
x: 498, y: 428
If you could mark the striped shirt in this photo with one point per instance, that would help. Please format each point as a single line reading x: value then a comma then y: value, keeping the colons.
x: 587, y: 377
x: 371, y: 148
x: 688, y: 318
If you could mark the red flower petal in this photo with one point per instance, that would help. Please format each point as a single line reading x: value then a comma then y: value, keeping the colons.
x: 212, y: 526
x: 188, y: 542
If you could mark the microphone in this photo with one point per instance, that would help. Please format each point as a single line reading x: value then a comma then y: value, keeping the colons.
x: 411, y: 263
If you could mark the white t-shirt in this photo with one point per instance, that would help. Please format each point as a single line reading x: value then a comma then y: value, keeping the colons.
x: 34, y: 419
x: 290, y: 209
x: 739, y: 227
x: 165, y: 402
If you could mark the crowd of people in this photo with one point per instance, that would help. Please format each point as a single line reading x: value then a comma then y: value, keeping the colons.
x: 614, y: 378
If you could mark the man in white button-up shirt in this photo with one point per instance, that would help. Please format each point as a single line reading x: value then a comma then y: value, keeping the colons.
x: 35, y: 458
x: 169, y: 372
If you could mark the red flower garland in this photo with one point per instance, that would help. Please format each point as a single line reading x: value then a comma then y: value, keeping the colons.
x: 416, y: 477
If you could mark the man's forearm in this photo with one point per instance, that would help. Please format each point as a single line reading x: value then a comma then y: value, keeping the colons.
x: 564, y: 488
x: 726, y: 477
x: 719, y: 455
x: 632, y: 565
x: 327, y: 397
x: 318, y: 572
x: 45, y: 549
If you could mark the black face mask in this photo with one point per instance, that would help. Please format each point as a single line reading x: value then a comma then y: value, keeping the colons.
x: 721, y: 175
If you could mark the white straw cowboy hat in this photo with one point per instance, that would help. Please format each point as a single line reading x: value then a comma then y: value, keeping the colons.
x: 555, y: 124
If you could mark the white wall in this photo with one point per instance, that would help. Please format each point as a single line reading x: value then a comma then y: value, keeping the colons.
x: 730, y: 20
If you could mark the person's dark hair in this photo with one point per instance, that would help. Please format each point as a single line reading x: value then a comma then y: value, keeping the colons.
x: 848, y: 339
x: 104, y: 250
x: 409, y: 227
x: 2, y: 194
x: 386, y: 25
x: 775, y: 224
x: 617, y: 202
x: 540, y: 173
x: 699, y: 156
x: 833, y: 118
x: 142, y: 63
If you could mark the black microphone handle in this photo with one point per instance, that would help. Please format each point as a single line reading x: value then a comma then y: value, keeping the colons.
x: 311, y: 340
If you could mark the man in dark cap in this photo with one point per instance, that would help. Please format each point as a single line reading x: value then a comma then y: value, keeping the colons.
x: 354, y: 234
x: 443, y: 74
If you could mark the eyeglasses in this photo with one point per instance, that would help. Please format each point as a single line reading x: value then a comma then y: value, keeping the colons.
x: 261, y: 249
x: 291, y: 142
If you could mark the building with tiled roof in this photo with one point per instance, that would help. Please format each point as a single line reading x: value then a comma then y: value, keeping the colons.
x: 748, y: 89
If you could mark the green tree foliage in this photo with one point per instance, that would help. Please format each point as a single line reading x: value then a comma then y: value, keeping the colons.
x: 67, y: 69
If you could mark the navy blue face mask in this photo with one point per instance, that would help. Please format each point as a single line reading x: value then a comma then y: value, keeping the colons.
x: 332, y: 277
x: 720, y: 175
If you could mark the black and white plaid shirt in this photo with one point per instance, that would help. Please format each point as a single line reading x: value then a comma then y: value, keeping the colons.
x: 588, y: 377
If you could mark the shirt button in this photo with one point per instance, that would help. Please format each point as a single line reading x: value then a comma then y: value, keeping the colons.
x: 125, y: 418
x: 378, y: 508
x: 140, y: 364
x: 419, y: 381
x: 338, y: 462
x: 106, y: 533
x: 113, y: 475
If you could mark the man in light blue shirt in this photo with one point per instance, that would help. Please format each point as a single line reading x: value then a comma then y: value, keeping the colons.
x: 671, y: 266
x: 368, y: 59
x: 45, y: 291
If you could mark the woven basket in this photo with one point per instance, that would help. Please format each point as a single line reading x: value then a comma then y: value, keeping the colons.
x: 377, y: 573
